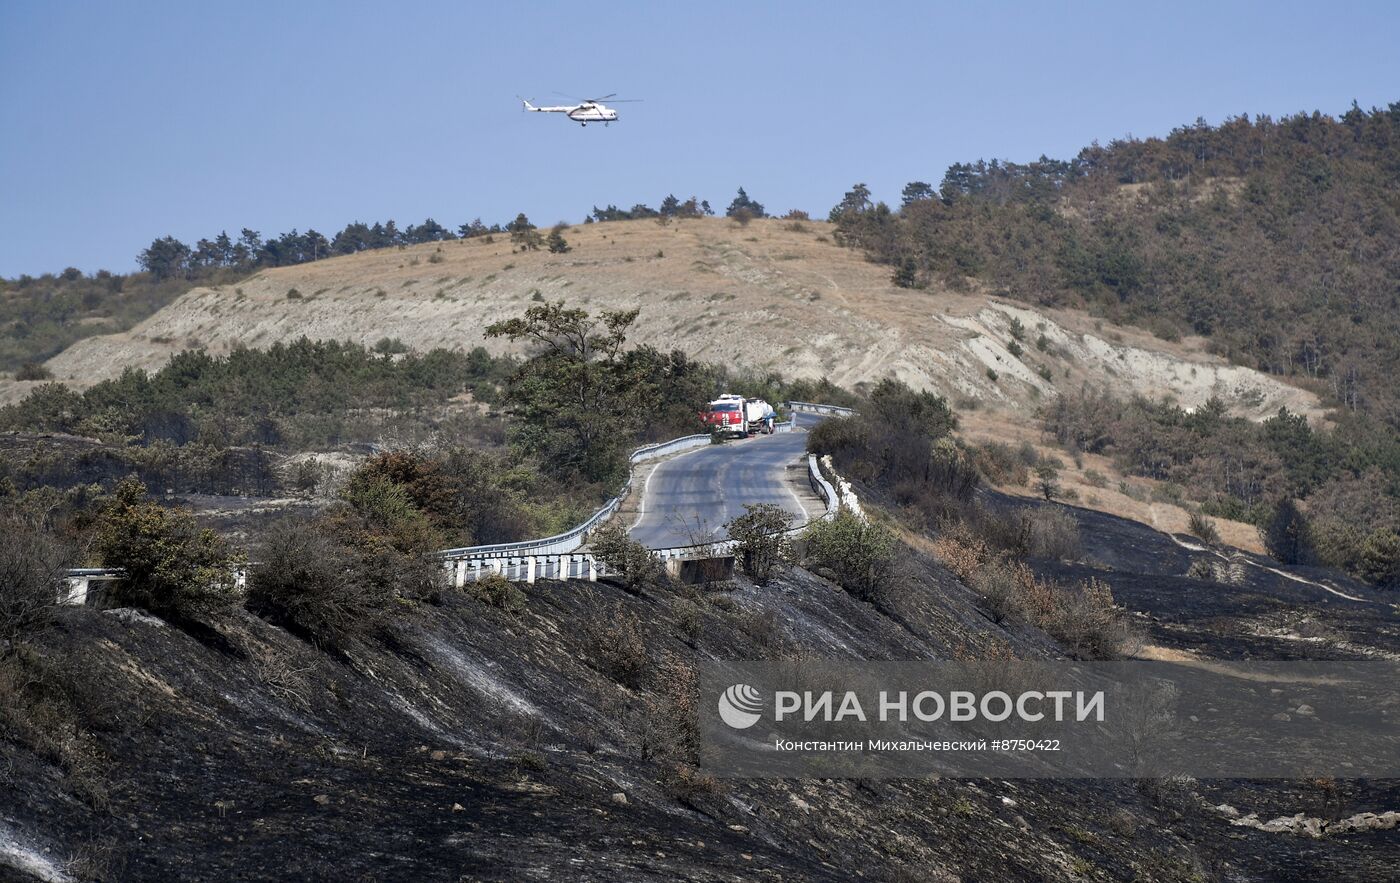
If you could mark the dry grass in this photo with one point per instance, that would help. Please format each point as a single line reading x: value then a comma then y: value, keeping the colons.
x: 1083, y: 618
x: 616, y: 646
x: 42, y: 707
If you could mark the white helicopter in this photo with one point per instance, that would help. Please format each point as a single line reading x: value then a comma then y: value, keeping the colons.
x: 588, y: 110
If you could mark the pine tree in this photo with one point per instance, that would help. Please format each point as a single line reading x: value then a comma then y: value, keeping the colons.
x: 1286, y: 535
x: 523, y: 233
x: 165, y: 258
x: 742, y: 203
x: 915, y: 191
x: 855, y: 202
x: 907, y: 276
x: 1047, y: 481
x: 556, y: 241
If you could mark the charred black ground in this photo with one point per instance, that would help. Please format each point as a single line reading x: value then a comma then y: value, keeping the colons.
x: 465, y: 742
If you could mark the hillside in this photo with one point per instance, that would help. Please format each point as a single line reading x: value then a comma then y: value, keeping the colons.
x: 773, y: 295
x: 1279, y: 240
x: 549, y: 742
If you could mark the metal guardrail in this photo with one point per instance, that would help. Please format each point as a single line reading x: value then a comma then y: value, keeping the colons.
x: 571, y: 539
x: 816, y: 408
x: 529, y: 566
x: 556, y: 556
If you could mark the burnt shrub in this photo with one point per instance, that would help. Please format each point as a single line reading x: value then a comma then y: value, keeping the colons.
x: 45, y: 705
x: 32, y: 563
x: 1084, y: 618
x: 669, y: 727
x: 616, y: 645
x: 1000, y: 464
x: 1051, y: 532
x: 1048, y: 531
x: 1203, y: 528
x: 308, y: 581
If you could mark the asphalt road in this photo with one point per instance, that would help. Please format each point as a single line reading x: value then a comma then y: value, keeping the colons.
x: 696, y: 493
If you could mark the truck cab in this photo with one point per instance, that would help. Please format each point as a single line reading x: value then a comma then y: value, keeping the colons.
x: 732, y: 414
x: 726, y: 415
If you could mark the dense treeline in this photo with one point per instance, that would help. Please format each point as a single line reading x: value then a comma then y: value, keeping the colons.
x: 1348, y: 479
x: 1277, y: 239
x: 44, y: 315
x: 302, y: 394
x: 220, y: 424
x: 168, y: 257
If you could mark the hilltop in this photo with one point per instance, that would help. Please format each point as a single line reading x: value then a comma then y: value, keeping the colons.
x: 769, y: 296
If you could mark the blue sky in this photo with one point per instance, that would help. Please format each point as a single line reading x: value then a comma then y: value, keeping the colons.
x: 124, y: 122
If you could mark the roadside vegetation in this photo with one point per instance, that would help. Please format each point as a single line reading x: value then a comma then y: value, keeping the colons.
x: 902, y: 449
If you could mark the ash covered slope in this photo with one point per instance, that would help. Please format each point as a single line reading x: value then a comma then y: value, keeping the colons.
x: 772, y: 295
x: 469, y: 743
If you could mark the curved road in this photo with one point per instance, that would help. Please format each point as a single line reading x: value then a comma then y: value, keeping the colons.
x: 690, y: 497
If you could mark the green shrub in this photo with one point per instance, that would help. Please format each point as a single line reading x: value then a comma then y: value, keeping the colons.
x: 387, y: 505
x: 761, y: 540
x: 859, y: 553
x: 1380, y: 558
x: 173, y: 568
x: 390, y: 346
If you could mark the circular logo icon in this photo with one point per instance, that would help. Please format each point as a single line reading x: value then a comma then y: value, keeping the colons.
x: 740, y: 706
